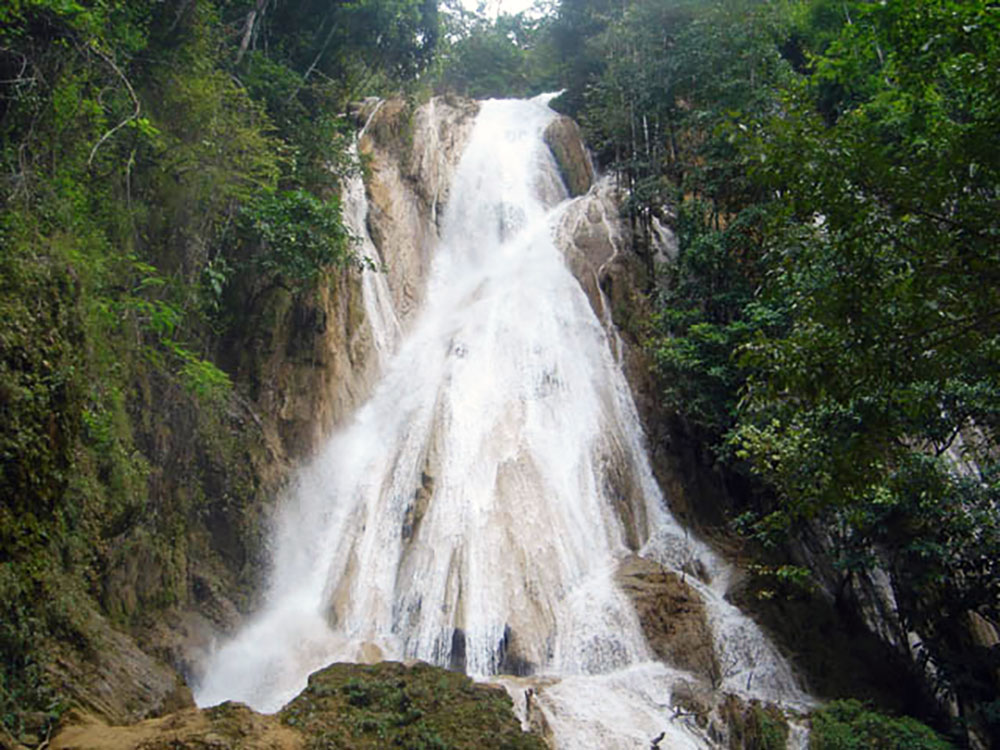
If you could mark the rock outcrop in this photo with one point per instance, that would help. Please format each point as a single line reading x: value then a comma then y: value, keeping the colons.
x: 344, y: 705
x: 593, y: 239
x: 411, y: 155
x: 231, y: 725
x: 564, y: 139
x: 672, y: 615
x: 307, y: 361
x: 120, y: 682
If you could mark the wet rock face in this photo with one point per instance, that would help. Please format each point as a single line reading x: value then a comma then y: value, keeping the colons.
x: 118, y: 681
x: 512, y: 658
x: 415, y: 510
x: 411, y: 157
x: 592, y: 237
x: 672, y: 616
x: 564, y: 139
x: 307, y: 361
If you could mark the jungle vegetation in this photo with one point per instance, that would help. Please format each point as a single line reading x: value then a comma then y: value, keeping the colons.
x: 829, y: 327
x: 160, y: 164
x: 829, y: 323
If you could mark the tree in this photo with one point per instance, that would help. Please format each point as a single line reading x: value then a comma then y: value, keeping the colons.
x: 877, y: 410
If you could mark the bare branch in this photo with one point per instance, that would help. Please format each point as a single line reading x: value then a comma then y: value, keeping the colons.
x: 249, y: 29
x: 181, y: 10
x: 319, y: 55
x: 247, y: 33
x: 131, y: 93
x: 19, y: 78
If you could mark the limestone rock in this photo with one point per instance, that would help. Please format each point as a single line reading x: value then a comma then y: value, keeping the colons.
x: 117, y: 680
x: 697, y: 701
x: 309, y: 360
x: 566, y: 143
x: 344, y: 705
x: 672, y: 616
x: 418, y: 507
x: 592, y: 238
x: 411, y: 156
x: 231, y: 725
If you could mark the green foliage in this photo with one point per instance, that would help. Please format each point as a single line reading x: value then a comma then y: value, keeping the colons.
x: 829, y: 323
x: 785, y: 581
x: 766, y: 729
x: 755, y: 726
x: 155, y: 165
x: 849, y: 725
x: 509, y: 55
x: 351, y: 46
x: 706, y: 311
x: 676, y: 82
x: 316, y: 150
x: 300, y: 234
x: 23, y: 685
x: 879, y: 247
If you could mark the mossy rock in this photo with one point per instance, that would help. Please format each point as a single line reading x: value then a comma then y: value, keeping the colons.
x: 755, y: 725
x: 414, y: 707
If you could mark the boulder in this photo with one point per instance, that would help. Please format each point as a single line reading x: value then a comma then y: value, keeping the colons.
x: 566, y: 143
x: 672, y: 616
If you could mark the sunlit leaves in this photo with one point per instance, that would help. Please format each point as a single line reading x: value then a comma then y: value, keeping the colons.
x: 300, y: 235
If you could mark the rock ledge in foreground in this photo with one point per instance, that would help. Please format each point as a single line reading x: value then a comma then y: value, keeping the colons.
x: 348, y: 706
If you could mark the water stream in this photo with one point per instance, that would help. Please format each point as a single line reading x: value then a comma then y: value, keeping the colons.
x: 469, y: 515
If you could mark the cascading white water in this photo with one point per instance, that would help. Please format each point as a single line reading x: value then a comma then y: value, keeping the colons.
x: 466, y: 516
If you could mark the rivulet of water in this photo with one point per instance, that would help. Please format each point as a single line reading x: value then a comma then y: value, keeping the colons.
x: 469, y: 515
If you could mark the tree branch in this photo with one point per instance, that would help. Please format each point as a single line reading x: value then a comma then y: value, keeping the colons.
x: 248, y: 30
x: 131, y: 93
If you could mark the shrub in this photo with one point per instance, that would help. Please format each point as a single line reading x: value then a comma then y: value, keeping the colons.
x: 300, y: 234
x: 849, y: 725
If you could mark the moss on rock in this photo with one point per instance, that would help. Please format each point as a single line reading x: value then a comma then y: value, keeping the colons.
x: 755, y: 725
x: 393, y: 705
x: 345, y: 706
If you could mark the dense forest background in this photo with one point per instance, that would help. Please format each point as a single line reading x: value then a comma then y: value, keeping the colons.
x: 826, y: 331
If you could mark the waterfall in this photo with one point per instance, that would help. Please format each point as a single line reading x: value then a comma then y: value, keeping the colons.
x: 470, y: 514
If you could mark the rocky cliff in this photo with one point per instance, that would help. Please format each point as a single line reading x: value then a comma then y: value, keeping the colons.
x: 410, y: 154
x: 184, y: 571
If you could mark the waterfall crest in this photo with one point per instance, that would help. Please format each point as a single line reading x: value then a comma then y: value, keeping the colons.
x: 471, y: 514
